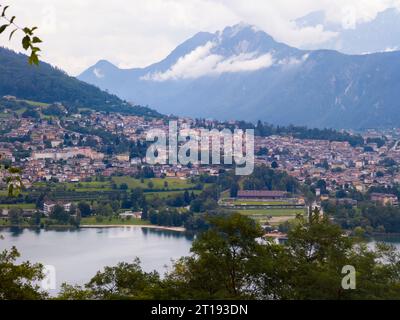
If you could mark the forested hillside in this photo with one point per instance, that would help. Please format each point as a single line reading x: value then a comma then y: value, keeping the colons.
x: 49, y: 84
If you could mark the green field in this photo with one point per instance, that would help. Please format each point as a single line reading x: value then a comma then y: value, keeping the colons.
x: 79, y: 186
x: 271, y: 212
x: 274, y: 217
x: 166, y: 194
x: 20, y: 111
x: 20, y: 205
x: 132, y: 183
x: 35, y: 103
x: 173, y: 183
x: 5, y: 222
x: 88, y: 186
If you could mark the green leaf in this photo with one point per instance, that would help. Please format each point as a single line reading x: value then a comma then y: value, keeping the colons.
x: 36, y: 40
x: 3, y: 27
x: 34, y: 59
x: 12, y: 20
x: 27, y: 31
x: 12, y: 33
x: 4, y: 11
x: 26, y: 42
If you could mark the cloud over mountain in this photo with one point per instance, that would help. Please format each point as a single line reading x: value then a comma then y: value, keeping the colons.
x: 137, y: 32
x: 243, y: 73
x: 203, y: 62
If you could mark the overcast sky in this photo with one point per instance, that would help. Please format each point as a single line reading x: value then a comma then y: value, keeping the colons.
x: 136, y: 33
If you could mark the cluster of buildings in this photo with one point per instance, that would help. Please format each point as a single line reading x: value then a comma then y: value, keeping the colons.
x: 48, y: 148
x: 338, y: 163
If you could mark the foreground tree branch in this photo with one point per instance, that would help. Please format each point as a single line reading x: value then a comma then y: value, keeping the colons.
x: 29, y: 41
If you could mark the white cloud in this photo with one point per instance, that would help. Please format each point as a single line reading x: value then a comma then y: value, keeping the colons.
x: 202, y: 62
x: 245, y: 62
x: 351, y: 13
x: 293, y: 61
x: 136, y: 33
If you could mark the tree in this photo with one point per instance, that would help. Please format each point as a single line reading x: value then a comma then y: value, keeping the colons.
x: 73, y: 210
x: 274, y: 165
x: 29, y: 41
x: 222, y: 258
x: 137, y: 199
x: 230, y: 261
x: 115, y: 205
x: 36, y: 218
x: 126, y: 280
x: 19, y: 281
x: 318, y: 251
x: 70, y: 292
x: 123, y: 186
x: 30, y: 113
x: 186, y: 197
x: 262, y: 152
x: 104, y: 210
x: 234, y: 190
x: 145, y: 212
x: 84, y: 209
x: 15, y: 215
x: 59, y: 214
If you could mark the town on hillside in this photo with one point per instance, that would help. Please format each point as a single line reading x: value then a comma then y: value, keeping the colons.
x: 70, y: 158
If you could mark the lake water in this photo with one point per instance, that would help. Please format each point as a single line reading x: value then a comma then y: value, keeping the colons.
x: 394, y: 241
x: 78, y: 254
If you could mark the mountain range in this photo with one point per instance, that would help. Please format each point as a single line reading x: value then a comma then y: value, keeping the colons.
x: 242, y: 73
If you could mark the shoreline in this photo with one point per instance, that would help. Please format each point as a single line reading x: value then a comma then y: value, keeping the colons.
x: 147, y: 226
x: 98, y: 226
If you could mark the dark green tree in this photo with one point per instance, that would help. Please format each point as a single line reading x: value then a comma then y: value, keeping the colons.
x: 19, y: 281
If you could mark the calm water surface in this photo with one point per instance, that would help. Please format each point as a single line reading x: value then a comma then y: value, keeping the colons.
x: 394, y: 241
x: 78, y: 254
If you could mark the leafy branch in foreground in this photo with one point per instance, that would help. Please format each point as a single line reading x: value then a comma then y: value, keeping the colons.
x: 29, y: 41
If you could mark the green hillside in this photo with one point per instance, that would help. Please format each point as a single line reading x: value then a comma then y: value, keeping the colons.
x: 49, y: 84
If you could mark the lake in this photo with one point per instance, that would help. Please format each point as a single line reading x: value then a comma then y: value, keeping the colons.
x: 394, y: 241
x: 78, y: 254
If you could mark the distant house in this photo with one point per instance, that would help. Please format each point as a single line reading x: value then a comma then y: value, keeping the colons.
x: 131, y: 214
x: 262, y: 194
x: 385, y: 199
x: 48, y: 206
